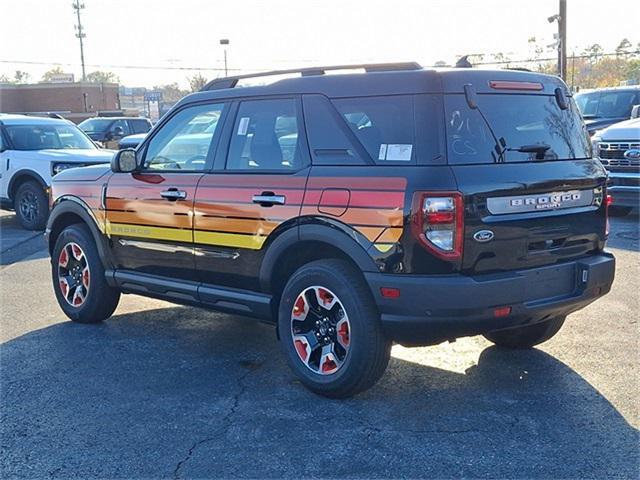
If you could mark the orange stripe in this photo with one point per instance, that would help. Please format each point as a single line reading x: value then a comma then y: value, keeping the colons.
x: 390, y: 235
x: 370, y: 232
x: 256, y: 227
x: 246, y: 210
x: 151, y: 218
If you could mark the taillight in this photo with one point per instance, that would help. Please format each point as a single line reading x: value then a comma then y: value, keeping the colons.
x: 438, y: 222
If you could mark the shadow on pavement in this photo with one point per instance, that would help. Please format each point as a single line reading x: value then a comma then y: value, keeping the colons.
x: 625, y: 231
x: 16, y: 243
x: 179, y: 392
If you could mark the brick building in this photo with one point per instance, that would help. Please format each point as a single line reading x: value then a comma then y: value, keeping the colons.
x: 75, y: 101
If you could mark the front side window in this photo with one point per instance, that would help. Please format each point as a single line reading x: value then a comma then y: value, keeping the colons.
x: 95, y: 125
x: 184, y: 142
x: 41, y: 137
x: 265, y: 136
x: 139, y: 126
x: 120, y: 128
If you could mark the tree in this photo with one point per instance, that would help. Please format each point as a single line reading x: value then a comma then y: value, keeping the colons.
x: 51, y: 74
x: 170, y: 92
x: 197, y: 82
x: 440, y: 63
x: 594, y: 52
x: 21, y: 77
x: 102, y: 77
x: 622, y: 50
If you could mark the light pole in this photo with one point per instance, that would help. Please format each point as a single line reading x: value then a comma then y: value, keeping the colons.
x: 225, y: 42
x: 561, y: 38
x: 77, y: 6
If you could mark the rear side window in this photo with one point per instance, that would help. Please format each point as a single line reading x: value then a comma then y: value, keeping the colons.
x: 139, y: 126
x: 532, y: 128
x: 266, y: 136
x: 384, y: 126
x: 396, y: 129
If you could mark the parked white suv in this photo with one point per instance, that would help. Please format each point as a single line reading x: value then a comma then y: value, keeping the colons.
x: 32, y: 151
x: 618, y: 148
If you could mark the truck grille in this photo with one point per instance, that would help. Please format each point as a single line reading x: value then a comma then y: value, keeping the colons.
x: 612, y: 154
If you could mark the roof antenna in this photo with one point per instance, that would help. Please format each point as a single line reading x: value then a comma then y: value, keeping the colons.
x: 464, y: 62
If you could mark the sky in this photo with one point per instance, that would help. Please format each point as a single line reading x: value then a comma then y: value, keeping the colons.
x: 267, y: 35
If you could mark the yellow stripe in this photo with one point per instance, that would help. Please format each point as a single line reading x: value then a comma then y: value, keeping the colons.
x: 383, y: 247
x: 157, y: 233
x: 253, y: 242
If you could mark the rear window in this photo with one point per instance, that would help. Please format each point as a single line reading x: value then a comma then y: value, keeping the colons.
x: 523, y: 122
x: 606, y: 104
x: 395, y: 129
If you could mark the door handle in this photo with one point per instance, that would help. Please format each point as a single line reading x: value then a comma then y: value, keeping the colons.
x: 269, y: 199
x: 173, y: 194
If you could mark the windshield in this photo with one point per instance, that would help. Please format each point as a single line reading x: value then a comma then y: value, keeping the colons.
x: 606, y: 104
x: 95, y: 125
x: 526, y: 122
x: 40, y: 137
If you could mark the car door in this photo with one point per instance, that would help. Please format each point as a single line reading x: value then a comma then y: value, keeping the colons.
x: 150, y: 212
x: 254, y: 193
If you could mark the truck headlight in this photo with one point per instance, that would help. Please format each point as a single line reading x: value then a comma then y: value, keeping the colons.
x: 595, y: 145
x: 59, y: 167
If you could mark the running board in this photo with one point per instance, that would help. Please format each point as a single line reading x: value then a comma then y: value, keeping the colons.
x: 224, y: 299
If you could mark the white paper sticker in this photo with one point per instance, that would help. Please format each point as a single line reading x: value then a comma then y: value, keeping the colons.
x: 383, y: 151
x: 243, y: 126
x: 399, y: 152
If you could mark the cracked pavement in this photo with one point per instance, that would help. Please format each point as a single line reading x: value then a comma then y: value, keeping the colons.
x: 162, y: 391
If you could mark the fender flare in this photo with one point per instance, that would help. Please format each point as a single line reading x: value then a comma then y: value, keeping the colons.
x: 326, y: 233
x: 28, y: 173
x: 70, y: 204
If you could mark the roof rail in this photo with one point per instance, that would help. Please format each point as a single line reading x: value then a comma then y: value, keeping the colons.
x: 231, y: 82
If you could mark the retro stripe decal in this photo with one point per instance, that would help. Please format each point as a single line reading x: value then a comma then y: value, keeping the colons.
x: 252, y: 242
x: 144, y: 231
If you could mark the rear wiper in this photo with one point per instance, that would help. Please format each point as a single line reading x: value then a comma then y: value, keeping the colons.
x: 539, y: 149
x: 500, y: 146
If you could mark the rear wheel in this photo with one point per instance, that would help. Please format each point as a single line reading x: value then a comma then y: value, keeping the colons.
x: 31, y: 206
x: 330, y: 330
x: 526, y: 337
x: 78, y: 277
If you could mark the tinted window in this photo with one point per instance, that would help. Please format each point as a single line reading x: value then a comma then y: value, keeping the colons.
x: 265, y: 136
x: 139, y: 126
x: 184, y: 142
x: 384, y: 125
x: 521, y: 120
x: 606, y: 104
x: 40, y: 137
x: 95, y: 125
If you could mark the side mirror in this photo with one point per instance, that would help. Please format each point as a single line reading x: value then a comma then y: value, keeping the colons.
x: 124, y: 161
x: 118, y: 132
x: 635, y: 111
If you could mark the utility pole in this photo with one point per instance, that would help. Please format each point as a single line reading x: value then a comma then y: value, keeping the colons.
x: 225, y: 42
x: 562, y: 38
x: 77, y: 6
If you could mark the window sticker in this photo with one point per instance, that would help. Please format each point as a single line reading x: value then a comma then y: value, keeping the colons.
x: 243, y: 126
x: 399, y: 152
x: 383, y: 151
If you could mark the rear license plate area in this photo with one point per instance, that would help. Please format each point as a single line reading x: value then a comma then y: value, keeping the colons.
x: 547, y: 282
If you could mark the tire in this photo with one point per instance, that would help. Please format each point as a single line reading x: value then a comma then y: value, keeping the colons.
x: 618, y: 211
x: 78, y: 277
x: 357, y: 353
x: 526, y: 337
x: 31, y: 206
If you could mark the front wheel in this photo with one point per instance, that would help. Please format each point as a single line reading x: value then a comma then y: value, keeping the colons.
x: 330, y: 329
x: 78, y: 277
x: 526, y: 337
x: 31, y: 206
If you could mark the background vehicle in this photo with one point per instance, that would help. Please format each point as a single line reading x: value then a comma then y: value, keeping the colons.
x: 32, y: 150
x: 606, y: 106
x: 131, y: 141
x: 108, y: 130
x: 351, y: 211
x: 618, y: 148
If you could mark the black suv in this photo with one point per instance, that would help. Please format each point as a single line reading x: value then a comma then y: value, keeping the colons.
x: 106, y: 131
x: 351, y: 211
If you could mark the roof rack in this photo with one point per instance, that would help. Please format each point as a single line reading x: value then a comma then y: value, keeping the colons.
x: 231, y: 82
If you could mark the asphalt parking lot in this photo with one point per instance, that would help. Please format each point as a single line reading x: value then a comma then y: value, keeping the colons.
x: 175, y: 392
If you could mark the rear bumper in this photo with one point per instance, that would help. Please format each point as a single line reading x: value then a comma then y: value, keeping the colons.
x: 435, y: 308
x: 624, y: 188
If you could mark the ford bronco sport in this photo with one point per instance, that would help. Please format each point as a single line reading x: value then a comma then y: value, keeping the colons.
x: 392, y: 205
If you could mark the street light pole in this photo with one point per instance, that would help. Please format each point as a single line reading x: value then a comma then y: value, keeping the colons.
x: 562, y: 38
x: 77, y: 6
x: 225, y: 42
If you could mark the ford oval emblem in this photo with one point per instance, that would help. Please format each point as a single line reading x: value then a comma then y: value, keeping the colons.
x: 632, y: 154
x: 483, y: 236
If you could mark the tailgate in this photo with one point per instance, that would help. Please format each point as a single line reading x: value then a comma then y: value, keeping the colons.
x: 523, y: 215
